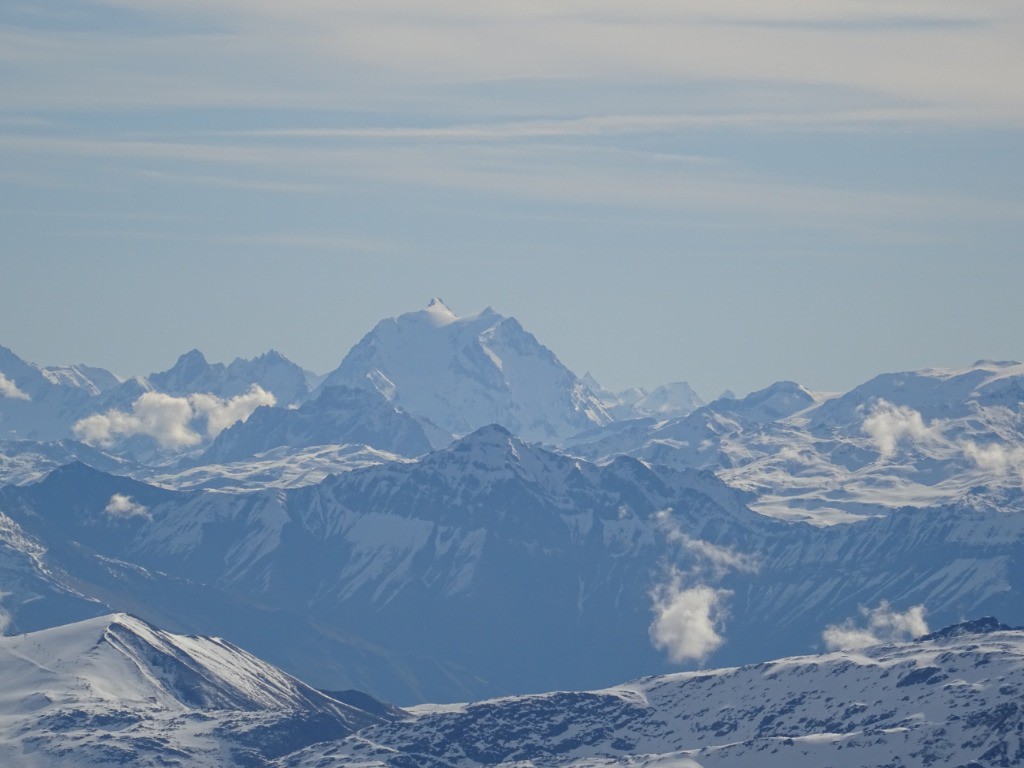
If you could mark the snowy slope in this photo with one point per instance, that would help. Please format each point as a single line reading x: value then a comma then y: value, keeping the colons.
x: 922, y: 438
x: 32, y: 591
x: 114, y: 690
x: 464, y: 373
x: 952, y: 698
x: 94, y: 380
x: 25, y: 461
x: 41, y: 404
x: 281, y: 467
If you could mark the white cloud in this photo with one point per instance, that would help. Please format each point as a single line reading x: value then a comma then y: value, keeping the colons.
x: 221, y: 414
x: 687, y: 622
x: 9, y: 389
x: 712, y: 559
x: 887, y: 424
x: 878, y: 625
x: 163, y: 417
x: 123, y: 507
x: 994, y: 457
x: 170, y: 420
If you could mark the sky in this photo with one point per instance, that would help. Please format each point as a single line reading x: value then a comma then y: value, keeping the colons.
x: 724, y: 193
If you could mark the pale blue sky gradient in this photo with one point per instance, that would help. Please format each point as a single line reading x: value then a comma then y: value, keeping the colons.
x: 817, y: 191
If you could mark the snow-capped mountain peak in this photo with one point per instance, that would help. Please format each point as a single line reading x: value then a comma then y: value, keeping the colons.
x: 465, y: 372
x: 667, y: 401
x: 773, y: 403
x: 437, y: 314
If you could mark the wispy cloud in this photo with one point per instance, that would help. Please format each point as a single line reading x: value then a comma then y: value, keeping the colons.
x: 621, y: 125
x: 554, y: 173
x: 709, y: 560
x: 311, y: 241
x: 957, y: 58
x: 240, y: 183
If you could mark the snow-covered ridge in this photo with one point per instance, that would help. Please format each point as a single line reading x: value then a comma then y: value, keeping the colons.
x: 113, y: 689
x: 949, y: 699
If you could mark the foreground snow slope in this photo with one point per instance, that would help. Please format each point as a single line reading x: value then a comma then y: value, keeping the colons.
x: 952, y: 698
x: 114, y: 690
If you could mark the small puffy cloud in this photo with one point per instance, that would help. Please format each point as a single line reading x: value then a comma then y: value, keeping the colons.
x: 994, y: 457
x: 171, y: 421
x: 221, y: 414
x: 121, y: 507
x: 887, y: 424
x: 687, y: 622
x: 9, y: 389
x: 876, y: 625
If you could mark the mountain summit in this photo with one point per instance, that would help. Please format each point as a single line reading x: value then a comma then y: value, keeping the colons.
x: 463, y: 373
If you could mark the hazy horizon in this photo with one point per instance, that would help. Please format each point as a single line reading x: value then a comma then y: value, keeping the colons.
x: 726, y: 195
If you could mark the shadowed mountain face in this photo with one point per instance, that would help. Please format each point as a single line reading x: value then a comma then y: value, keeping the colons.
x: 530, y: 569
x: 497, y: 552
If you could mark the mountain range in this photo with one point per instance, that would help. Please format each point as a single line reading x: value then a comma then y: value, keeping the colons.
x: 453, y: 515
x: 116, y: 690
